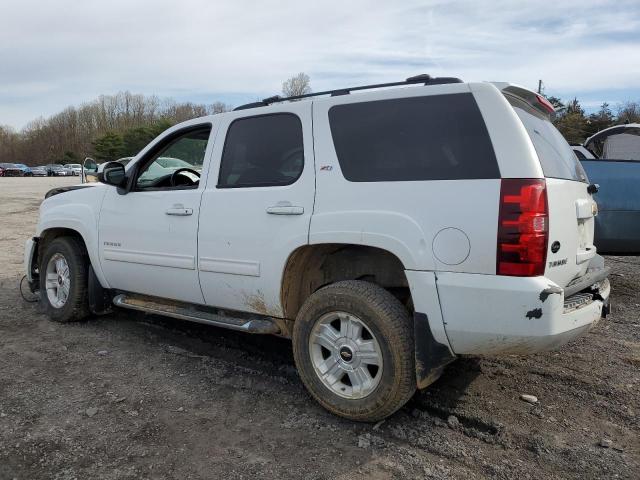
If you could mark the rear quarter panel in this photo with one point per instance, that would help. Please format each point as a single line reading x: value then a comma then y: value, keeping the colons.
x: 402, y: 217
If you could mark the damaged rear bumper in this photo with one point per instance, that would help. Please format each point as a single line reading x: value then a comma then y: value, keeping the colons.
x: 486, y: 314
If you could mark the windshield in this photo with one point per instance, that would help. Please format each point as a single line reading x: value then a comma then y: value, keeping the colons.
x: 556, y: 155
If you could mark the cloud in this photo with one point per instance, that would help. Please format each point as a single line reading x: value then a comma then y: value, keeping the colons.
x: 66, y: 52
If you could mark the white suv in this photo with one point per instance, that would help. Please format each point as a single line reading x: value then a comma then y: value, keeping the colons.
x: 384, y: 231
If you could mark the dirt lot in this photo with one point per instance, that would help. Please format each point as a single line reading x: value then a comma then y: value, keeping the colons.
x: 135, y: 396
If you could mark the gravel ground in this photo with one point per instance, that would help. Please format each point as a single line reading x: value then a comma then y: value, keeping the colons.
x: 137, y: 396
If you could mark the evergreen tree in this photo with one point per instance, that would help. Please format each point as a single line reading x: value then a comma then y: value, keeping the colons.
x: 108, y: 147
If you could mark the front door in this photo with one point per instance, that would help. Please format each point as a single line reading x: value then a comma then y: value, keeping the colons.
x: 148, y: 236
x: 257, y: 206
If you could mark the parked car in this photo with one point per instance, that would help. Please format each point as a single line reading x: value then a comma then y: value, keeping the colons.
x: 385, y: 232
x: 582, y: 153
x: 617, y: 175
x: 621, y: 142
x: 26, y: 171
x: 11, y: 170
x: 39, y: 171
x: 55, y: 170
x: 75, y: 168
x: 91, y: 169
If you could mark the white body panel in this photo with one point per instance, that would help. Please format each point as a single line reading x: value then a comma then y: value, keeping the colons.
x: 143, y: 248
x: 77, y: 210
x: 491, y: 314
x: 571, y: 223
x: 242, y: 248
x: 587, y: 154
x: 403, y: 217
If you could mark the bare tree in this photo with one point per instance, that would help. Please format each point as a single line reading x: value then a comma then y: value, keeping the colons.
x: 629, y: 112
x: 218, y: 107
x: 71, y: 133
x: 299, y: 84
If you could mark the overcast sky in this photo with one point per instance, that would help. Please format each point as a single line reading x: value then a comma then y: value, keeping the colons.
x: 59, y: 53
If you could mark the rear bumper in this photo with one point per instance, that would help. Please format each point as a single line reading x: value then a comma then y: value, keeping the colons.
x: 490, y: 314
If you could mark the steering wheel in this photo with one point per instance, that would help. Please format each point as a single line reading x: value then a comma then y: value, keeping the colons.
x: 173, y: 181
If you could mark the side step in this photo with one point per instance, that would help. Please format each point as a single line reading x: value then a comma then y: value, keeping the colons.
x: 195, y: 313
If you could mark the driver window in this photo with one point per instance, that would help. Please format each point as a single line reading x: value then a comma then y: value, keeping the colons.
x: 178, y: 164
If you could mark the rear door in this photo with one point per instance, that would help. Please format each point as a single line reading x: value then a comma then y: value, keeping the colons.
x: 257, y: 206
x: 571, y: 206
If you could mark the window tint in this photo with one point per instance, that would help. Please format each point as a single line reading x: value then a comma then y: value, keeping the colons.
x: 262, y: 151
x: 555, y: 154
x: 437, y: 137
x: 579, y: 154
x: 184, y: 151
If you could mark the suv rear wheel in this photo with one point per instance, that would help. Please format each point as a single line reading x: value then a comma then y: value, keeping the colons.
x: 354, y: 350
x: 63, y: 280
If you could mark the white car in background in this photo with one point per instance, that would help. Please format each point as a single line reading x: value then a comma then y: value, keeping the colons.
x: 75, y: 168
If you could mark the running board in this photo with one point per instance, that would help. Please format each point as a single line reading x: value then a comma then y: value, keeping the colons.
x: 193, y: 313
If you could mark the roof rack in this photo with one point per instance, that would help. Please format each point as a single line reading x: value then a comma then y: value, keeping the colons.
x: 425, y: 79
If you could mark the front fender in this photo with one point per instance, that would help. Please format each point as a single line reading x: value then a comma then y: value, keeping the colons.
x: 76, y: 210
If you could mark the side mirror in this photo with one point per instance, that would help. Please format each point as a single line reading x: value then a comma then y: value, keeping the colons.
x: 112, y: 174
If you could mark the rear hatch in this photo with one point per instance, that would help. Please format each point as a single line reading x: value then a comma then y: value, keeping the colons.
x: 571, y: 206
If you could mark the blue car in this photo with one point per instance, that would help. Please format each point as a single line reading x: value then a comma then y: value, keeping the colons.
x: 26, y: 171
x: 617, y: 229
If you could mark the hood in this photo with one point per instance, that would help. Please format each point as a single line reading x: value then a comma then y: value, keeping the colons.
x: 56, y: 191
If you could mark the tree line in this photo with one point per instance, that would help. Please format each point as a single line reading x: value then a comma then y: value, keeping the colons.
x: 110, y: 127
x: 115, y: 126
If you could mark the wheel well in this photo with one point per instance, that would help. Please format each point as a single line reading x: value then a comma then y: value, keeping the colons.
x: 51, y: 234
x: 313, y: 266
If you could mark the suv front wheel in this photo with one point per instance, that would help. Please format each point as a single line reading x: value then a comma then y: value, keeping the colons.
x: 354, y: 350
x: 63, y: 280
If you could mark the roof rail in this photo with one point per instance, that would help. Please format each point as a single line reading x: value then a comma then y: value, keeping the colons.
x: 424, y: 78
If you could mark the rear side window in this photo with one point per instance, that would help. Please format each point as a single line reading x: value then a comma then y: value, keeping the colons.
x: 437, y: 137
x: 556, y: 155
x: 580, y: 155
x: 262, y: 151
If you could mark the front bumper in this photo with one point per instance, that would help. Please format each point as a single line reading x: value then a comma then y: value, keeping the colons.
x: 491, y: 314
x: 30, y: 262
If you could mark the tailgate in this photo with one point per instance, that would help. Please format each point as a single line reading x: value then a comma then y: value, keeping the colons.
x: 571, y: 226
x: 571, y: 207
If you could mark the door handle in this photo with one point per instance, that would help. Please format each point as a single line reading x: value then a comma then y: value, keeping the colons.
x: 285, y: 210
x: 179, y: 212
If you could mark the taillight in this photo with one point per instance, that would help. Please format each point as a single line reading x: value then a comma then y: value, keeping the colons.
x: 523, y: 227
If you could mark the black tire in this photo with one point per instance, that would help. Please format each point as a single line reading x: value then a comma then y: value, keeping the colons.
x: 390, y: 324
x: 76, y: 306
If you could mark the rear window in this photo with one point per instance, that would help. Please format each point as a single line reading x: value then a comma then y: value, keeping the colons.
x: 262, y: 151
x: 556, y: 155
x: 437, y: 137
